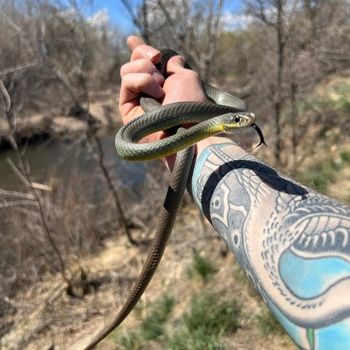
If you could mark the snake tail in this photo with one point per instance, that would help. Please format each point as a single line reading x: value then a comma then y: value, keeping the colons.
x: 172, y: 202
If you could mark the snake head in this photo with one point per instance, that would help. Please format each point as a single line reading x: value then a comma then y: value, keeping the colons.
x: 237, y: 120
x: 241, y: 120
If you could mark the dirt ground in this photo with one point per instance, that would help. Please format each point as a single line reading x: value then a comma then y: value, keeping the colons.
x: 47, y: 318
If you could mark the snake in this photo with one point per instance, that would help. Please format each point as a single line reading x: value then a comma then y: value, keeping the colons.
x: 222, y: 113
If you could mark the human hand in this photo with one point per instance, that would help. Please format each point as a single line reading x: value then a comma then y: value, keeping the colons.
x: 140, y: 76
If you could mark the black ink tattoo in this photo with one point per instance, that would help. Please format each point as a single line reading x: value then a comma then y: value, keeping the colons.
x: 272, y: 223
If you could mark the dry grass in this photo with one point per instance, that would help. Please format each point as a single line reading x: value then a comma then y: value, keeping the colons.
x: 60, y: 319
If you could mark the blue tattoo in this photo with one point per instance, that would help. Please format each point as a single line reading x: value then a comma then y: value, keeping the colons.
x: 293, y: 244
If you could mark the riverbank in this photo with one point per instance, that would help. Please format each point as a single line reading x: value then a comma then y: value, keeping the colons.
x: 35, y: 128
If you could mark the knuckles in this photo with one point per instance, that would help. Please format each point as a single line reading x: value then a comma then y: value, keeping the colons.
x: 141, y: 65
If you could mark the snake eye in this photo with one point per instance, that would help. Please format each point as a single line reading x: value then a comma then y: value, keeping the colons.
x: 237, y: 119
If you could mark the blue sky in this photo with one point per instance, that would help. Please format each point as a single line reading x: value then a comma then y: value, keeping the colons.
x: 116, y: 12
x: 119, y: 16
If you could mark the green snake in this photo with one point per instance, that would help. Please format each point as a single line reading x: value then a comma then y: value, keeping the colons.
x: 226, y: 112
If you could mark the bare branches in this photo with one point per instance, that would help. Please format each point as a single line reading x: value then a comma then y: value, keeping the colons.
x: 42, y: 35
x: 16, y: 194
x: 258, y: 9
x: 6, y: 97
x: 18, y: 68
x: 117, y: 201
x: 213, y: 23
x: 19, y: 203
x: 90, y: 119
x: 190, y: 27
x: 27, y: 42
x: 140, y: 22
x: 26, y: 177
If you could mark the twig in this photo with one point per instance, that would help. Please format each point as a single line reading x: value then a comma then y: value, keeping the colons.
x: 28, y: 211
x: 18, y: 172
x: 17, y: 203
x: 16, y: 194
x: 25, y: 176
x: 18, y: 68
x: 100, y: 157
x: 42, y: 187
x: 6, y: 96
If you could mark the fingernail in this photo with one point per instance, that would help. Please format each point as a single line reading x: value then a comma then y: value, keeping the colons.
x: 152, y: 53
x: 181, y: 61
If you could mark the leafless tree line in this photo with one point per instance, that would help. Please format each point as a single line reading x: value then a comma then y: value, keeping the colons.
x: 42, y: 39
x: 299, y: 34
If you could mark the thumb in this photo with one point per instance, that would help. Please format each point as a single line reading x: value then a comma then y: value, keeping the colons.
x: 175, y: 64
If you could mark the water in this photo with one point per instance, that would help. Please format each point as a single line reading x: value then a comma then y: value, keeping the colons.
x: 57, y: 158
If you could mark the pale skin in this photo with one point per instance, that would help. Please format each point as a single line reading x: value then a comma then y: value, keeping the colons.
x: 293, y: 243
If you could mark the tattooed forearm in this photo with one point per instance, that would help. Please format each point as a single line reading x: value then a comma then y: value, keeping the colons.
x: 293, y: 243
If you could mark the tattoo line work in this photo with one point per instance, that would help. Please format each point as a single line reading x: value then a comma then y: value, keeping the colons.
x: 292, y: 243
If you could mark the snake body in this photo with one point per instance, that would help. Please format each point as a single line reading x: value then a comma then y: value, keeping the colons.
x: 212, y: 118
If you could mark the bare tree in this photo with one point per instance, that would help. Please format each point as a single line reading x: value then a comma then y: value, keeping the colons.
x: 189, y: 27
x: 273, y: 13
x: 139, y: 17
x: 8, y: 110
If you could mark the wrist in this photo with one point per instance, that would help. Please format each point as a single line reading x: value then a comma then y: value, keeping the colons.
x: 213, y: 140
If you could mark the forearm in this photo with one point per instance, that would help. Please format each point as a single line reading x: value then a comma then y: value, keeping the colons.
x: 292, y: 242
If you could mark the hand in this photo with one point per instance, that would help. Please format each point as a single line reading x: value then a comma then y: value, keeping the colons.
x: 140, y: 76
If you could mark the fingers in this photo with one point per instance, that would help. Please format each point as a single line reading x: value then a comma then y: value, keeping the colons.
x: 134, y: 41
x: 141, y: 50
x: 139, y: 76
x: 135, y: 84
x: 175, y: 65
x: 142, y: 65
